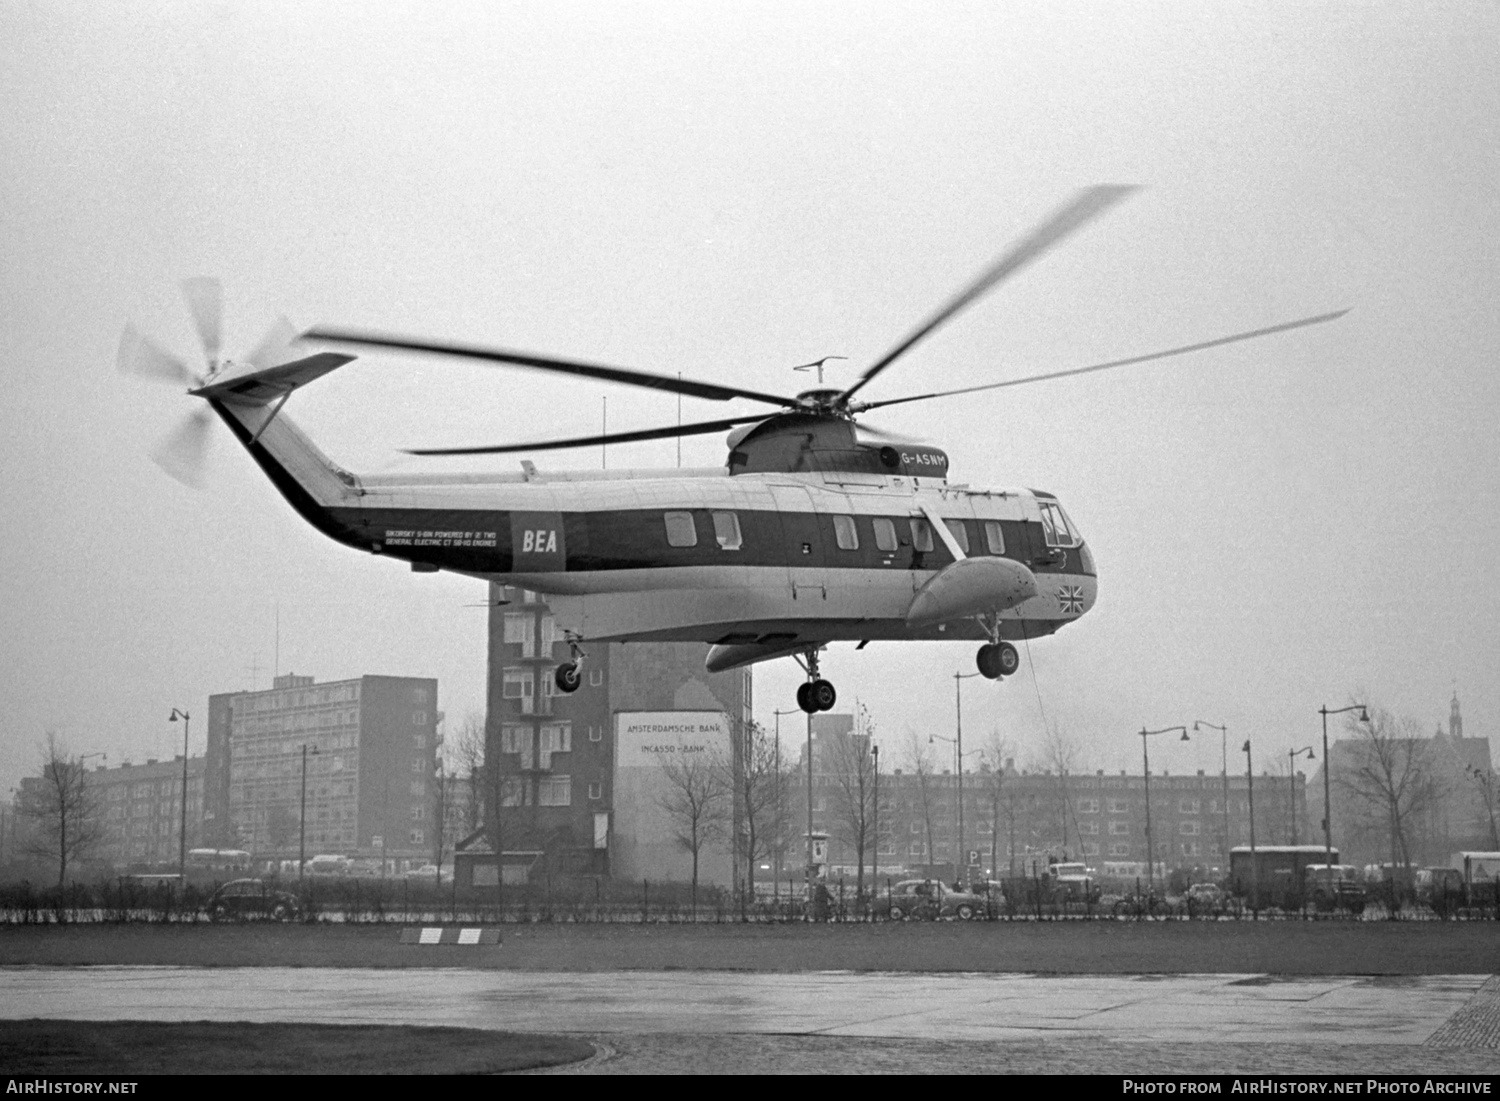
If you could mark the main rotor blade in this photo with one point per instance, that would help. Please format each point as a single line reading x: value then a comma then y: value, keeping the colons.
x: 1184, y: 350
x: 626, y: 375
x: 205, y: 299
x: 1087, y: 205
x: 699, y: 429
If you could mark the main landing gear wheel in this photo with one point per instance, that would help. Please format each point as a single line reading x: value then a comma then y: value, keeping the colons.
x: 567, y: 678
x: 815, y: 696
x: 997, y: 659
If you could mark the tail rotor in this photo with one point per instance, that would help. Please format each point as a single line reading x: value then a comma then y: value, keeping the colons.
x: 183, y: 452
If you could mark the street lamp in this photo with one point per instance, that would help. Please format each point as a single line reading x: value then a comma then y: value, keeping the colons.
x: 302, y: 823
x: 1364, y: 717
x: 958, y: 714
x: 1292, y: 755
x: 1250, y: 799
x: 1224, y: 749
x: 1146, y: 735
x: 780, y: 818
x: 958, y: 753
x: 182, y: 828
x: 875, y: 856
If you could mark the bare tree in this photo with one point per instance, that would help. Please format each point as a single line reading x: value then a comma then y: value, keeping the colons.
x: 852, y: 772
x: 998, y: 798
x: 1062, y: 758
x: 1390, y: 778
x: 762, y: 784
x: 697, y: 798
x: 919, y: 760
x: 62, y: 808
x: 464, y: 752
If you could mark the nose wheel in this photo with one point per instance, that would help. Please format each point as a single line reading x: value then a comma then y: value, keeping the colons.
x: 997, y: 659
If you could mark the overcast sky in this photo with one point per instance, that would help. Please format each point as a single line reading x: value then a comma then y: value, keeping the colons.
x: 728, y: 190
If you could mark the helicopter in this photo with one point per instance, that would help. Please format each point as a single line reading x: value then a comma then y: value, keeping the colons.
x: 818, y: 528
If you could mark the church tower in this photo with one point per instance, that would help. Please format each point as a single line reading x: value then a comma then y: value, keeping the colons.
x: 1455, y: 720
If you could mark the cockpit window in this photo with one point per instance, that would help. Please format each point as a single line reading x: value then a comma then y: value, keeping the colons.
x: 1057, y: 529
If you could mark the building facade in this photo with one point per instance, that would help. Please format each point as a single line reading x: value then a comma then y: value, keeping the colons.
x: 1012, y: 820
x: 142, y: 811
x: 359, y: 754
x: 555, y: 785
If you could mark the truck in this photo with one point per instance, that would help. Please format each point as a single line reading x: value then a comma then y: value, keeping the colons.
x: 1334, y: 887
x: 1276, y: 875
x: 1481, y: 872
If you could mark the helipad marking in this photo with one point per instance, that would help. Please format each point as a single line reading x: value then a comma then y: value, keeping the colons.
x: 436, y: 934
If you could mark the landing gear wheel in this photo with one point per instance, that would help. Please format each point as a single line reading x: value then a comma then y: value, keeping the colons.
x: 997, y: 659
x: 567, y: 677
x: 803, y: 700
x: 821, y: 695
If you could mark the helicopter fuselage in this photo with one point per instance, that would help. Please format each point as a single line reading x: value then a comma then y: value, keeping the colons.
x: 770, y: 562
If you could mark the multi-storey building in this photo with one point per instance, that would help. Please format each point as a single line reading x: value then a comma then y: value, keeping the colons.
x: 1012, y: 818
x: 142, y: 810
x: 360, y: 754
x: 555, y: 783
x: 137, y: 810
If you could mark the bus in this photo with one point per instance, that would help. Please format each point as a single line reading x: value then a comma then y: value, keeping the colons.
x: 217, y: 864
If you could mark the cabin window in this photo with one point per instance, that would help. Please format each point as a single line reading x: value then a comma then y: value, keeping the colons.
x: 885, y: 533
x: 844, y: 533
x: 726, y: 530
x: 960, y: 532
x: 921, y: 534
x: 994, y: 539
x: 680, y: 530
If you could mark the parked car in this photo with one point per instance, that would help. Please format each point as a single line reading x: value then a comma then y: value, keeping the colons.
x: 926, y: 899
x: 240, y: 899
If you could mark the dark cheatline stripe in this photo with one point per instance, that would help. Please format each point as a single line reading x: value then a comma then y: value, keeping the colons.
x: 636, y: 539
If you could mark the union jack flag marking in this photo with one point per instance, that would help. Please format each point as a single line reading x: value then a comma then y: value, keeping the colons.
x: 1070, y: 598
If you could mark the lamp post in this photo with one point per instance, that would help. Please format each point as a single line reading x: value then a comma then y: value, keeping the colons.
x: 958, y: 753
x: 1364, y: 717
x: 1146, y: 736
x: 1250, y: 798
x: 780, y: 816
x: 1224, y: 749
x: 302, y: 822
x: 182, y: 828
x: 875, y: 856
x: 958, y: 714
x: 1292, y: 755
x: 809, y: 866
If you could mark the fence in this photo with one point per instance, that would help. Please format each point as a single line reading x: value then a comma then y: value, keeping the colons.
x: 572, y: 900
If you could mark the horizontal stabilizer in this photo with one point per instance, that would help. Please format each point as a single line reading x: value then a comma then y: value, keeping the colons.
x: 273, y: 383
